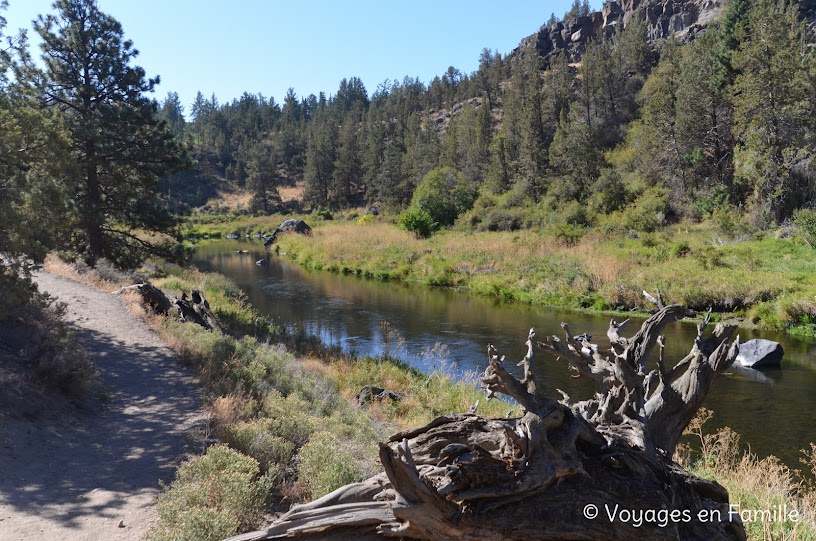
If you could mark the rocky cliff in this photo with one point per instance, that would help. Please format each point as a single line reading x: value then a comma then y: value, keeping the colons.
x: 683, y: 18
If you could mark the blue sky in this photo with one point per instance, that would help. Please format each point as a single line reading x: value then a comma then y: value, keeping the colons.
x: 229, y: 47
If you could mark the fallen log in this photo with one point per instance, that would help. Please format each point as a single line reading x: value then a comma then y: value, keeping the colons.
x: 598, y: 469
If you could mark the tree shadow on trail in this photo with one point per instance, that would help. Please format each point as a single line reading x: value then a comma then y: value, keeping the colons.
x: 91, y: 467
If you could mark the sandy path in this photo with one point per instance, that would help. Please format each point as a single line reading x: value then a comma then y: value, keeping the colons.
x: 76, y: 480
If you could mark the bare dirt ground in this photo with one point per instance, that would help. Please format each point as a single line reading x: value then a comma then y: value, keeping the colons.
x: 94, y: 475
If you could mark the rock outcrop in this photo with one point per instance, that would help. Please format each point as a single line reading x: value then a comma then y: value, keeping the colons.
x: 683, y: 18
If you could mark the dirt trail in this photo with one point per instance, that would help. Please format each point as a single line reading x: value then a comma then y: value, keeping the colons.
x: 76, y: 480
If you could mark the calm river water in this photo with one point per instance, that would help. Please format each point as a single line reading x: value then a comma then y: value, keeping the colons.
x: 439, y: 329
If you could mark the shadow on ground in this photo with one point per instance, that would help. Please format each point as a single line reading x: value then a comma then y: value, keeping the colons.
x: 93, y: 464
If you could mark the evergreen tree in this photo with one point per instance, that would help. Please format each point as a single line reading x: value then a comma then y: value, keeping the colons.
x: 172, y: 111
x: 262, y: 177
x: 320, y: 160
x: 704, y: 115
x: 574, y: 11
x: 120, y: 145
x: 633, y: 42
x: 33, y: 198
x: 534, y: 141
x: 660, y: 152
x: 498, y: 173
x: 771, y: 98
x: 347, y: 179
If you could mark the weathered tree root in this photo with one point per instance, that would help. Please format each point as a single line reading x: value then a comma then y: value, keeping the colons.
x: 600, y: 469
x: 194, y: 309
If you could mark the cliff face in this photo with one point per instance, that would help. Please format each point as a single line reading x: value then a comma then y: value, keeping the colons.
x: 684, y: 18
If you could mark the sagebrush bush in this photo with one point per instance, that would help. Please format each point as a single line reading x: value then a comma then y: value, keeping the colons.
x: 214, y: 496
x: 257, y: 439
x: 326, y: 464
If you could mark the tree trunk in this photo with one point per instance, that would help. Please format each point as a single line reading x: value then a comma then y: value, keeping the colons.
x: 599, y: 469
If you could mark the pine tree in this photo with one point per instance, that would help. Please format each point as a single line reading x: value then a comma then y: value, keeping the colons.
x: 633, y: 42
x: 120, y: 146
x: 770, y: 101
x: 347, y: 179
x: 33, y: 198
x: 704, y: 115
x: 320, y: 159
x: 663, y: 155
x: 172, y: 111
x: 262, y: 177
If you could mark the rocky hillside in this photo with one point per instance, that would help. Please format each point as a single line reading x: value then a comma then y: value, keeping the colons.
x: 684, y: 18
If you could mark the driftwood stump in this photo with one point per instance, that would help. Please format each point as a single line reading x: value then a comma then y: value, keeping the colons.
x: 193, y: 309
x: 598, y: 469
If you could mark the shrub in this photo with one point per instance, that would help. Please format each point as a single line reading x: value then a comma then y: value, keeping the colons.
x: 325, y: 464
x: 681, y: 249
x: 648, y: 212
x: 730, y: 223
x: 805, y: 222
x: 444, y: 193
x: 366, y: 219
x: 567, y: 234
x: 214, y: 496
x: 255, y: 439
x: 501, y: 220
x: 324, y: 214
x: 419, y: 222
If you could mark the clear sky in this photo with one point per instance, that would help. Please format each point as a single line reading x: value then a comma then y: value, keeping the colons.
x: 266, y: 46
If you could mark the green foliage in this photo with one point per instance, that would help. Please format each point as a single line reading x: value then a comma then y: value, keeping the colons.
x: 444, y: 194
x: 366, y: 219
x: 805, y: 221
x: 501, y: 220
x: 772, y: 107
x: 258, y: 440
x: 325, y: 464
x: 120, y: 146
x: 646, y: 214
x: 730, y: 222
x: 214, y: 496
x: 567, y: 234
x: 419, y: 222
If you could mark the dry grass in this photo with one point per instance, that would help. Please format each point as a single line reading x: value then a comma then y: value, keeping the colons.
x: 55, y: 265
x: 292, y: 193
x: 232, y: 408
x: 754, y: 483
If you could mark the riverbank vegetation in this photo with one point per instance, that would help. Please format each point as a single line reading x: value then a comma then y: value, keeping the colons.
x: 279, y: 402
x: 765, y: 279
x: 285, y: 406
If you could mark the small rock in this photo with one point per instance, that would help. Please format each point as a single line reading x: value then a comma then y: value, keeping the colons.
x: 121, y: 524
x: 370, y: 393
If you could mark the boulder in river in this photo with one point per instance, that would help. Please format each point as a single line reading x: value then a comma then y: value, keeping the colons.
x: 289, y: 226
x: 760, y: 353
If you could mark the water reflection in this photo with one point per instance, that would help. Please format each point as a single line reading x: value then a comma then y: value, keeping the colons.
x: 432, y: 328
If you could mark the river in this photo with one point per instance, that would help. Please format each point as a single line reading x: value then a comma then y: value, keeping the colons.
x: 431, y: 329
